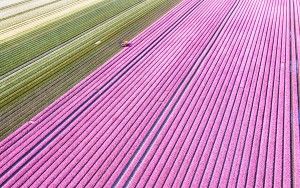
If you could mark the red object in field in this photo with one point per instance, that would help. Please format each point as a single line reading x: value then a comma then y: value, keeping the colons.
x: 125, y: 44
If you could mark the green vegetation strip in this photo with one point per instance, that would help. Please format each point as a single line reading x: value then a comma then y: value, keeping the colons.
x: 18, y: 51
x: 43, y: 83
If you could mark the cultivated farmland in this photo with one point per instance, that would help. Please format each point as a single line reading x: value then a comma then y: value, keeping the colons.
x: 206, y: 96
x: 41, y: 62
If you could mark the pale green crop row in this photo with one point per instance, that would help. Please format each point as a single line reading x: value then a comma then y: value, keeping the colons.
x: 35, y: 12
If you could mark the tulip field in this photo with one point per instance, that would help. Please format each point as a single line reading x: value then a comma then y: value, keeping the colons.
x: 40, y: 63
x: 201, y: 93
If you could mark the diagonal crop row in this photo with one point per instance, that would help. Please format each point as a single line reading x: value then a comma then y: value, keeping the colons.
x: 26, y: 7
x: 30, y: 46
x: 34, y: 13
